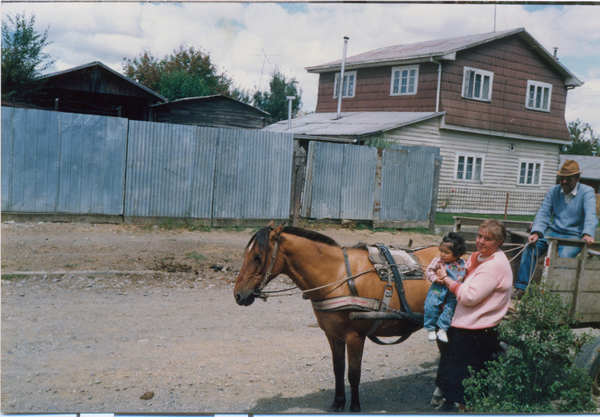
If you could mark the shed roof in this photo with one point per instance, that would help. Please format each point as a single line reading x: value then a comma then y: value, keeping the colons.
x: 441, y: 49
x: 588, y: 165
x: 104, y: 67
x: 351, y: 124
x: 204, y: 99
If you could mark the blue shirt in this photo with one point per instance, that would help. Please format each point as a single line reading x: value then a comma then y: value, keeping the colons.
x: 578, y: 217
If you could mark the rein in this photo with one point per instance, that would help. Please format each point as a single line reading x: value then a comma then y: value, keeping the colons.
x: 263, y: 295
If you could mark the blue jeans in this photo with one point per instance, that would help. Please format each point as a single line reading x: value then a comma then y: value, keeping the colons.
x: 437, y: 295
x: 529, y: 257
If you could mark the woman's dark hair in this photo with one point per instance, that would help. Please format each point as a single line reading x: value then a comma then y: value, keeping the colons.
x: 459, y: 248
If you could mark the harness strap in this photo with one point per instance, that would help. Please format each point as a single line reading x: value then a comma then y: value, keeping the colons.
x: 265, y: 279
x: 397, y: 277
x: 417, y: 319
x: 351, y: 283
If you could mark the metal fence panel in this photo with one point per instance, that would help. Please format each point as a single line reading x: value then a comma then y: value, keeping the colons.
x: 62, y: 163
x: 407, y: 181
x: 170, y: 170
x: 253, y: 175
x: 341, y: 181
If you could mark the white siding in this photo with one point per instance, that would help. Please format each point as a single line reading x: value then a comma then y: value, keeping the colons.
x: 501, y: 168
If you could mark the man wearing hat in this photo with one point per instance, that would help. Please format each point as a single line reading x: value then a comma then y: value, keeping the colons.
x: 572, y: 208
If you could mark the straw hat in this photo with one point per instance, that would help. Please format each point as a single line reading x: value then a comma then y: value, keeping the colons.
x: 569, y: 168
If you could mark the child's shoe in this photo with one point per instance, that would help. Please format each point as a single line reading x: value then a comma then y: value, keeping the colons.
x: 441, y: 335
x: 437, y: 398
x: 431, y: 335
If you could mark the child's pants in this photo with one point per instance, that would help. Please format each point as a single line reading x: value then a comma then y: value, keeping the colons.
x: 437, y: 295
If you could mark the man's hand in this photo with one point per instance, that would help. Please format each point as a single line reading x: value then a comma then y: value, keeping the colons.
x: 588, y: 239
x: 533, y: 238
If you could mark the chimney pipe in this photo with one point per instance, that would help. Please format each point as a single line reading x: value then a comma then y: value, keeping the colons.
x: 555, y: 52
x: 341, y: 88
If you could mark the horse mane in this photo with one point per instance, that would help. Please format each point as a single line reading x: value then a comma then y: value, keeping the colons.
x: 262, y: 237
x: 310, y: 235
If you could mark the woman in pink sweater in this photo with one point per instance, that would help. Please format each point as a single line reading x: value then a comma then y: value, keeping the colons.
x: 483, y: 300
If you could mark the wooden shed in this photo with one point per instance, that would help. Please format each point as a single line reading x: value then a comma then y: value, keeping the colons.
x: 210, y: 111
x: 95, y: 88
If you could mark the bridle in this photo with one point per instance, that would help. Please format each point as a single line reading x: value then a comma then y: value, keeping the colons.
x: 258, y: 291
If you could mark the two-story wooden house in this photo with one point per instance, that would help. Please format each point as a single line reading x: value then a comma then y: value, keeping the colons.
x: 493, y: 103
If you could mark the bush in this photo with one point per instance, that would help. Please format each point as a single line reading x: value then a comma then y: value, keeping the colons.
x: 537, y: 374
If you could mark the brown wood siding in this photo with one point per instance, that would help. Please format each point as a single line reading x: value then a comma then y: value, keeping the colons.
x: 513, y: 63
x: 372, y: 92
x: 210, y: 113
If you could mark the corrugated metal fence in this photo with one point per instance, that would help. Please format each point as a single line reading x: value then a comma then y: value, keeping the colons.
x: 387, y: 186
x: 201, y: 172
x: 62, y: 163
x: 82, y: 164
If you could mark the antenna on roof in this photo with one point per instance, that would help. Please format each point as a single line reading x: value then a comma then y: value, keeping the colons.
x: 263, y: 65
x: 494, y: 18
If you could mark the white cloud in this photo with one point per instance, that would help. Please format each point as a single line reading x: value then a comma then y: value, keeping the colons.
x: 297, y: 36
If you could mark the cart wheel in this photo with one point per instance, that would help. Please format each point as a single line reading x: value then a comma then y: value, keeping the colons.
x: 589, y: 359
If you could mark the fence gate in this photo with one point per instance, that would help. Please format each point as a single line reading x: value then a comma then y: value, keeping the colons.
x: 62, y: 163
x: 391, y: 187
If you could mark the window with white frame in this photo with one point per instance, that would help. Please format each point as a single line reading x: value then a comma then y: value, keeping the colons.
x: 477, y: 84
x: 404, y: 80
x: 349, y: 83
x: 538, y: 95
x: 530, y: 172
x: 469, y: 167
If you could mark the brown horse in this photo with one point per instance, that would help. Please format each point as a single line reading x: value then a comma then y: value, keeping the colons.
x: 312, y: 261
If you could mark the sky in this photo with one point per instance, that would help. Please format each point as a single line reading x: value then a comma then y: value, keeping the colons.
x: 249, y: 40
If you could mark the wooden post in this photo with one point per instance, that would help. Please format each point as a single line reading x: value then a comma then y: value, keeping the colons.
x: 298, y: 171
x: 506, y: 207
x: 56, y: 104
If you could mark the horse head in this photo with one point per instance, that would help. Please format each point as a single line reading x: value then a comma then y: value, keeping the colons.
x: 257, y: 268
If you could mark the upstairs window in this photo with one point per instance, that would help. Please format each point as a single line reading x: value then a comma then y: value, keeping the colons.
x: 404, y: 80
x: 477, y: 84
x: 469, y: 167
x: 348, y: 87
x: 530, y: 172
x: 538, y: 96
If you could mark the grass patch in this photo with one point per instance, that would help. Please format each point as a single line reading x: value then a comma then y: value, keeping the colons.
x: 195, y: 256
x: 13, y: 277
x: 70, y: 265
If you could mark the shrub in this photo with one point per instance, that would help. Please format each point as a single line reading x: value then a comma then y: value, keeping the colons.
x: 537, y: 374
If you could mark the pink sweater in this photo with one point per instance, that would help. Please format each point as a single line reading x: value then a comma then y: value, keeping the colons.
x: 484, y: 295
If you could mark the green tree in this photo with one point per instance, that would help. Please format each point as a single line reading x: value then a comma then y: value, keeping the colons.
x: 275, y: 101
x: 537, y: 375
x: 583, y: 140
x: 184, y: 73
x: 23, y: 57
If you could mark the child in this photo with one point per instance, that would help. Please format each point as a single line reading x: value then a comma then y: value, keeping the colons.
x: 451, y: 249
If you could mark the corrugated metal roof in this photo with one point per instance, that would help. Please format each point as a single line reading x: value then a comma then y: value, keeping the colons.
x: 588, y: 165
x: 206, y: 98
x: 439, y: 49
x: 351, y: 123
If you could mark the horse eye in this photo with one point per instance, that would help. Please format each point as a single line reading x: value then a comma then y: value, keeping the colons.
x: 257, y: 259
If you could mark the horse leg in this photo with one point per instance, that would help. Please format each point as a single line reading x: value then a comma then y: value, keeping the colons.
x: 338, y: 354
x: 356, y: 345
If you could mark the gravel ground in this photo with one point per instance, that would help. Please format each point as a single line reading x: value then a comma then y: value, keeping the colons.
x: 130, y: 319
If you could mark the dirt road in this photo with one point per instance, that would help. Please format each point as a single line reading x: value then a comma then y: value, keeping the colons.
x: 97, y: 317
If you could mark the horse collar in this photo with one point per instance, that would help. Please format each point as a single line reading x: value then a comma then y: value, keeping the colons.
x: 265, y: 279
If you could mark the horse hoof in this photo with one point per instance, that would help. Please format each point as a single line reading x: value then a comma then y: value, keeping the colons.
x: 335, y: 408
x: 355, y: 409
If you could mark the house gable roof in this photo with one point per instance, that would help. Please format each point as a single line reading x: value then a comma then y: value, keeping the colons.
x: 351, y: 125
x: 107, y: 69
x: 439, y: 50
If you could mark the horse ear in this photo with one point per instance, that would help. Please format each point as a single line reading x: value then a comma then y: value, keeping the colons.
x: 271, y: 224
x: 276, y: 233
